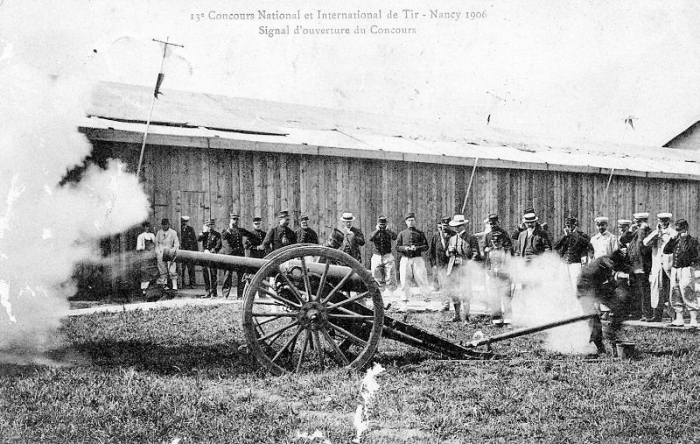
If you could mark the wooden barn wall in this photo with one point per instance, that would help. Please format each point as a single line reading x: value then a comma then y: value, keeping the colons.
x: 208, y: 183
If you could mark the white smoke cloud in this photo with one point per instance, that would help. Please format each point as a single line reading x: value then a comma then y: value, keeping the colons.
x: 46, y: 228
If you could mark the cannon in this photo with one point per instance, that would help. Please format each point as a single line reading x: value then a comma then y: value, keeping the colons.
x: 309, y: 307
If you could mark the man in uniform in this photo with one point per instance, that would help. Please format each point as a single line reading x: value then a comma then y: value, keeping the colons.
x: 232, y: 240
x: 211, y: 243
x: 461, y: 248
x: 437, y: 253
x: 254, y: 243
x: 166, y: 237
x: 281, y: 235
x: 383, y: 262
x: 603, y: 243
x: 660, y: 264
x: 189, y: 243
x: 306, y: 235
x: 353, y: 238
x: 574, y: 247
x: 640, y: 258
x: 411, y: 243
x: 686, y: 256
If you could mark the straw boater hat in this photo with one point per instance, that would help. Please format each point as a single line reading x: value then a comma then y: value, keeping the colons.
x: 347, y: 217
x: 664, y: 215
x: 640, y: 216
x: 458, y: 220
x: 601, y: 219
x: 624, y: 222
x: 530, y: 216
x: 185, y: 218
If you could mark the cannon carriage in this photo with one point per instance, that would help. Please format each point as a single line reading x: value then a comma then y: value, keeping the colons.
x: 309, y: 307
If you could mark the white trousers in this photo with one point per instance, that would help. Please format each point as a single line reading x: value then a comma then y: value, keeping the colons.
x: 684, y: 296
x: 383, y: 271
x: 413, y: 268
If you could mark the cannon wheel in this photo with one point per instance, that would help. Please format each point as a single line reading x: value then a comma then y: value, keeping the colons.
x: 291, y: 329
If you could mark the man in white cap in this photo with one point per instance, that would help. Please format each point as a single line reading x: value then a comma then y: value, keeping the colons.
x: 166, y: 237
x: 353, y: 238
x: 640, y: 259
x: 686, y: 256
x: 660, y: 276
x: 461, y: 248
x: 411, y: 243
x: 603, y: 243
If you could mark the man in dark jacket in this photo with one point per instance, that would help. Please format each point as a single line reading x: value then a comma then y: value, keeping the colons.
x: 353, y: 238
x: 600, y: 283
x: 686, y: 256
x: 281, y: 235
x: 411, y: 243
x: 437, y: 253
x: 461, y: 248
x: 254, y: 242
x: 640, y: 258
x: 211, y: 243
x: 383, y: 262
x: 305, y: 234
x: 574, y: 246
x: 532, y: 241
x: 188, y: 241
x: 232, y: 240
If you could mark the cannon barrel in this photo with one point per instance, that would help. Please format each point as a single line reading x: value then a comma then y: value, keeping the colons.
x: 251, y: 265
x: 530, y: 330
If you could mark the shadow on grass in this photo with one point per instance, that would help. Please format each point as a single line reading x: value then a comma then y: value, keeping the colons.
x: 215, y: 360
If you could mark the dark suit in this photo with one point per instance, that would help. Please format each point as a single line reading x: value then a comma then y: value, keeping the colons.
x: 531, y: 245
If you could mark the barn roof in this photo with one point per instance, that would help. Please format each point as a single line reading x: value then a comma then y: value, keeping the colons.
x: 119, y: 112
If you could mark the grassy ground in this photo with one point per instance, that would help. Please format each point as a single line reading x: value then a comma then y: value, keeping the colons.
x: 159, y: 375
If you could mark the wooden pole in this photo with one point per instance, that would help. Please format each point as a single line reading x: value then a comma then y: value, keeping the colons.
x: 469, y: 187
x: 605, y: 194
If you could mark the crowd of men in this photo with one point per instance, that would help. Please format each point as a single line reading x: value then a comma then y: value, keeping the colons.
x: 635, y: 272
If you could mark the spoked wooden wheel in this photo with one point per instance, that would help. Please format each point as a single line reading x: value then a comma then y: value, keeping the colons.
x: 301, y: 315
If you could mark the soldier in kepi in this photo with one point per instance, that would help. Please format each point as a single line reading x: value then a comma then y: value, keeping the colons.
x: 574, y: 247
x: 281, y: 235
x: 254, y: 243
x: 211, y: 243
x: 383, y: 262
x: 306, y: 234
x: 232, y: 240
x: 686, y: 256
x: 411, y: 243
x: 188, y: 242
x: 437, y: 254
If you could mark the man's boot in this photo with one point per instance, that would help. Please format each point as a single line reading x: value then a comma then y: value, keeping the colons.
x: 693, y: 319
x: 678, y: 321
x: 458, y: 312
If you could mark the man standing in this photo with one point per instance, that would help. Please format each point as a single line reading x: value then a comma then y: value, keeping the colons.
x: 383, y: 261
x: 532, y: 241
x: 353, y: 237
x: 437, y: 253
x: 686, y: 255
x: 411, y: 243
x: 166, y: 237
x: 306, y: 235
x: 660, y: 264
x: 211, y: 243
x: 232, y: 241
x: 146, y: 246
x: 189, y: 243
x: 497, y: 259
x: 254, y: 243
x: 281, y: 235
x: 462, y: 247
x: 603, y: 242
x: 574, y: 247
x: 640, y: 259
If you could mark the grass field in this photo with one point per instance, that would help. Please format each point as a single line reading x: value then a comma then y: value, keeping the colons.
x: 162, y: 375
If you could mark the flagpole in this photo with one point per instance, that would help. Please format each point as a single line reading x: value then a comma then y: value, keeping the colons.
x: 153, y: 102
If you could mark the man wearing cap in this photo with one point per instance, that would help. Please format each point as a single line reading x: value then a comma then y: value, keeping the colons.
x: 148, y: 264
x: 335, y: 240
x: 254, y: 242
x: 640, y: 258
x: 533, y: 240
x: 603, y: 242
x: 166, y: 237
x: 686, y: 256
x: 281, y: 235
x: 383, y: 263
x: 411, y: 243
x: 189, y: 243
x: 574, y: 247
x: 306, y: 235
x: 437, y: 252
x: 211, y: 243
x: 659, y: 278
x: 232, y: 241
x: 353, y: 238
x: 461, y: 248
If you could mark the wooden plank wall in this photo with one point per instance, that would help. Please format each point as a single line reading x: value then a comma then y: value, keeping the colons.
x: 258, y: 183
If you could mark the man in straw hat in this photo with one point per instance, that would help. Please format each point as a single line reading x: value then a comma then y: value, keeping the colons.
x: 353, y: 237
x: 189, y: 243
x: 686, y: 256
x: 462, y: 247
x: 411, y: 243
x: 660, y: 276
x: 640, y: 258
x: 211, y: 243
x: 383, y: 262
x: 281, y: 235
x: 533, y: 240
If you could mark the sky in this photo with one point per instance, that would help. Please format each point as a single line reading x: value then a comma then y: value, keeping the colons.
x: 551, y: 69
